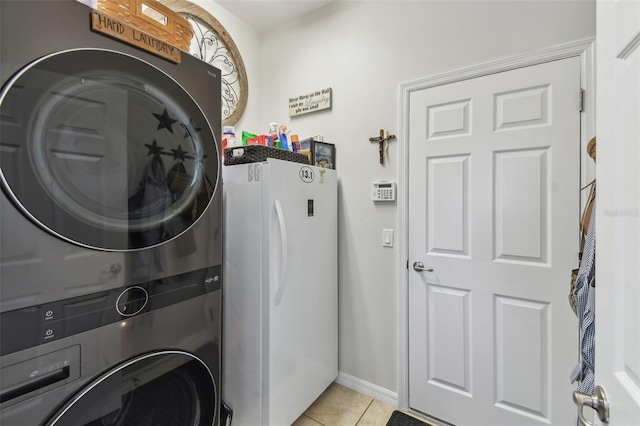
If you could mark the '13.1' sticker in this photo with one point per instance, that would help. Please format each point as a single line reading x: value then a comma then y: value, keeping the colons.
x: 306, y: 174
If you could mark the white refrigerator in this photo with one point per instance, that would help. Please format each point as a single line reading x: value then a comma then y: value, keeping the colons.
x: 280, y: 292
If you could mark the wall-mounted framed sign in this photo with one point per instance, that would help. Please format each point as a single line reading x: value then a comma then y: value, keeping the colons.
x: 310, y: 102
x: 212, y: 43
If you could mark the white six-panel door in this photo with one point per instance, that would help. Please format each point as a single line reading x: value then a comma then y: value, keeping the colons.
x: 493, y: 209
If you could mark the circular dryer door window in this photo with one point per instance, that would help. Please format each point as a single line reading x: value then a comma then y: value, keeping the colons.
x: 105, y: 150
x: 158, y: 389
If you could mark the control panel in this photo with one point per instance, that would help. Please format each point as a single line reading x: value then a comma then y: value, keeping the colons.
x: 58, y: 319
x: 383, y: 191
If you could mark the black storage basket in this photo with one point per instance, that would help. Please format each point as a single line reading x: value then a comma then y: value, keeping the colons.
x: 256, y: 153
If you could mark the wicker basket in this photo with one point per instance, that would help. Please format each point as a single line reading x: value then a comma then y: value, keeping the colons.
x: 256, y: 153
x: 177, y: 31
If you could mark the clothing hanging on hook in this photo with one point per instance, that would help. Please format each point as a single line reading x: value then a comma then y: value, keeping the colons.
x: 585, y: 297
x: 584, y: 291
x: 585, y: 221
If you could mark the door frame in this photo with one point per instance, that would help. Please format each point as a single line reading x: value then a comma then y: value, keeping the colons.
x: 585, y: 49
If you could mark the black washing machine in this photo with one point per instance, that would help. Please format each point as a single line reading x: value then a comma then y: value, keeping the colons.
x: 110, y: 227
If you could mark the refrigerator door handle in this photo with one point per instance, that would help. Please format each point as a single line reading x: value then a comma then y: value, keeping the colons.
x: 283, y: 252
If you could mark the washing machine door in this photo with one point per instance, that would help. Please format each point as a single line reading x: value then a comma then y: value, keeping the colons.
x: 158, y: 389
x: 105, y: 150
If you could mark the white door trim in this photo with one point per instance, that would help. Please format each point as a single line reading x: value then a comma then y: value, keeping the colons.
x: 585, y: 49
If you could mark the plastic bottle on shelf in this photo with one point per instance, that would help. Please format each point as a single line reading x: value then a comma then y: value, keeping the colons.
x: 273, y: 133
x: 295, y: 143
x: 228, y: 137
x: 284, y: 139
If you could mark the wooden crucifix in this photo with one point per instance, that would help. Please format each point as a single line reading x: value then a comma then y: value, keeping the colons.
x: 383, y: 140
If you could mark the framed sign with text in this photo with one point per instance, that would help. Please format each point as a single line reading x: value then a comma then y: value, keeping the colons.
x: 310, y: 102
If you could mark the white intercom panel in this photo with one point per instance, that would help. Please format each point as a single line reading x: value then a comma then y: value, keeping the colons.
x: 383, y: 191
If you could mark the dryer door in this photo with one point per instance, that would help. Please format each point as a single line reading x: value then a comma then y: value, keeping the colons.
x: 105, y: 150
x: 157, y: 389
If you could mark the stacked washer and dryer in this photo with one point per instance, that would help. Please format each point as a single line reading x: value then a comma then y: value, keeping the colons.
x: 110, y: 227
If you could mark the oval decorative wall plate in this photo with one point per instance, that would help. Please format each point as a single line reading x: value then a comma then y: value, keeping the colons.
x: 212, y: 43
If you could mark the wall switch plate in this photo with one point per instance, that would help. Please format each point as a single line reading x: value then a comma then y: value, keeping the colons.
x: 387, y: 238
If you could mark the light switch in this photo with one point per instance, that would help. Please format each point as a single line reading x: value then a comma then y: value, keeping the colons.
x: 387, y: 238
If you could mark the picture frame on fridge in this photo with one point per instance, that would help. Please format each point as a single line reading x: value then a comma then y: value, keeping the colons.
x: 323, y: 154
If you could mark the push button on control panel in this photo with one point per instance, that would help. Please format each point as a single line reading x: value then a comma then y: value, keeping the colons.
x: 51, y: 331
x: 132, y: 301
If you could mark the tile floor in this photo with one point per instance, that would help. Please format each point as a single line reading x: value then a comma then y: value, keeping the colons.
x: 341, y: 406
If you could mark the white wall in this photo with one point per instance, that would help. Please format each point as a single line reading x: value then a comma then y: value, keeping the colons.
x: 363, y: 50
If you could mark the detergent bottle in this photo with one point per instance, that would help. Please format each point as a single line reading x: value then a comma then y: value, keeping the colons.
x: 228, y: 137
x: 273, y: 135
x: 282, y: 135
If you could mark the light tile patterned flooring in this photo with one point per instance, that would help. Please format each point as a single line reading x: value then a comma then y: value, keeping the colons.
x: 341, y: 406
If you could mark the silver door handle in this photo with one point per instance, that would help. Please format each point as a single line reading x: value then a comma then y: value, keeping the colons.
x: 597, y: 401
x: 419, y: 267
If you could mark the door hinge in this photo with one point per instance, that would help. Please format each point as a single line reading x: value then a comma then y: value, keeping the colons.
x: 581, y: 100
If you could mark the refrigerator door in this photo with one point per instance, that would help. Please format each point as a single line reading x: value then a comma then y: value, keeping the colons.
x: 301, y: 351
x: 242, y: 294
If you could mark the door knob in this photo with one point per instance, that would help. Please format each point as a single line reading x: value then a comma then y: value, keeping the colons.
x: 419, y: 267
x: 597, y: 401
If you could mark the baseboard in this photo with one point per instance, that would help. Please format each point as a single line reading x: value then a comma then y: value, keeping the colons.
x: 374, y: 391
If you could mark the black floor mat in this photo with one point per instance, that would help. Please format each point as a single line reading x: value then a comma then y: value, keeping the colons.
x: 399, y: 418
